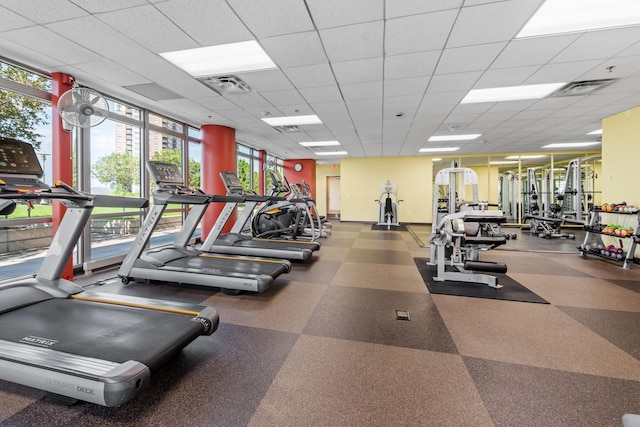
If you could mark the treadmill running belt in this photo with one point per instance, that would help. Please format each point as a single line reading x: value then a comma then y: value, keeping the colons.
x: 103, y: 331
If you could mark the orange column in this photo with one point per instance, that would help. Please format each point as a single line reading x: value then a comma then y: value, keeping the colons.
x: 62, y: 156
x: 218, y: 154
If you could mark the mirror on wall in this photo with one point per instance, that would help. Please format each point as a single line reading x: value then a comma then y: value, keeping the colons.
x: 556, y: 184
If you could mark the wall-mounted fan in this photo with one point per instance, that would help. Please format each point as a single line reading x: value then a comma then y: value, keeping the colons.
x: 82, y: 107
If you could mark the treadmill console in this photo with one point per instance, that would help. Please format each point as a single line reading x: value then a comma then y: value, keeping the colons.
x: 231, y: 182
x: 165, y: 174
x: 20, y: 169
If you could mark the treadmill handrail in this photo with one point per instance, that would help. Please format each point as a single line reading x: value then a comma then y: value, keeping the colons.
x: 63, y: 192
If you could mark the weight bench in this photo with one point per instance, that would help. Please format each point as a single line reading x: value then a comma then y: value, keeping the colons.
x: 456, y: 244
x: 546, y: 226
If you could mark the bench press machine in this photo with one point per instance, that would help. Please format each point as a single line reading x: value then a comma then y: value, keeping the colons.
x: 457, y: 237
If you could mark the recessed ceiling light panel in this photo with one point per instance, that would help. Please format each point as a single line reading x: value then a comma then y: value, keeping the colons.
x: 510, y: 93
x: 438, y: 149
x: 221, y: 59
x: 571, y: 144
x: 319, y: 143
x: 468, y: 137
x: 570, y: 16
x: 292, y: 120
x: 331, y: 153
x: 532, y: 156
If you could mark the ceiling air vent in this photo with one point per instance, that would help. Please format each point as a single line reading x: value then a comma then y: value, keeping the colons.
x: 226, y: 85
x: 287, y: 129
x: 584, y: 87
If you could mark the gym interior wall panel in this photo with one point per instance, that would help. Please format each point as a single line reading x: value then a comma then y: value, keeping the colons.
x: 487, y: 183
x: 360, y: 187
x: 322, y: 172
x: 307, y: 174
x: 620, y: 154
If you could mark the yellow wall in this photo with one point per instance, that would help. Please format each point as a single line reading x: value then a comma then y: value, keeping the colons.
x: 487, y: 183
x: 322, y: 172
x: 620, y: 154
x: 360, y: 186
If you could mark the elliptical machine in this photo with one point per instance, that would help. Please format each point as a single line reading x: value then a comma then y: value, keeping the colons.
x: 388, y: 210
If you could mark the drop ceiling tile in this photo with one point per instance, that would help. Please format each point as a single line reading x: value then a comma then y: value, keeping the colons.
x: 367, y: 116
x: 625, y: 66
x: 395, y: 9
x: 366, y: 104
x: 469, y: 58
x: 362, y: 91
x: 337, y: 13
x: 265, y: 18
x: 215, y: 102
x: 321, y: 94
x: 411, y: 64
x: 532, y: 51
x: 266, y: 80
x: 335, y: 107
x: 410, y: 86
x: 358, y: 41
x: 46, y: 42
x: 453, y: 81
x: 102, y: 39
x: 505, y: 77
x: 402, y: 104
x: 443, y: 98
x: 418, y: 33
x: 44, y: 11
x: 283, y: 97
x: 561, y: 72
x: 310, y: 76
x: 209, y: 23
x: 111, y: 72
x: 477, y: 24
x: 249, y: 100
x: 24, y: 55
x: 599, y: 44
x: 99, y: 6
x: 12, y: 21
x: 360, y: 71
x: 136, y: 22
x: 295, y: 50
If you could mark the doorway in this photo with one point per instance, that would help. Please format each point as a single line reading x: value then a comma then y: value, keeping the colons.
x: 333, y: 197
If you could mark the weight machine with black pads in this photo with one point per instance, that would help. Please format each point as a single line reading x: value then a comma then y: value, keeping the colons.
x: 460, y: 234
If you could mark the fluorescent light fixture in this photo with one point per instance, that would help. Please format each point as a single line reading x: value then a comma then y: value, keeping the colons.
x: 221, y: 59
x: 571, y: 144
x: 331, y: 153
x: 510, y: 93
x: 454, y: 137
x: 438, y: 150
x: 570, y: 16
x: 319, y: 143
x: 596, y: 132
x: 292, y: 120
x: 436, y: 159
x: 533, y: 156
x: 504, y: 162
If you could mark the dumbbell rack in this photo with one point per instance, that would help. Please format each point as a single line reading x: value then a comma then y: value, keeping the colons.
x: 593, y: 238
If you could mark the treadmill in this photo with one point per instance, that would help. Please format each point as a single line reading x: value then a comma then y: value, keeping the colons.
x: 57, y: 337
x: 182, y: 263
x: 237, y: 243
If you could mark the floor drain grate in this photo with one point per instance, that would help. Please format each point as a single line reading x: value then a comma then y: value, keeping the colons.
x: 402, y: 315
